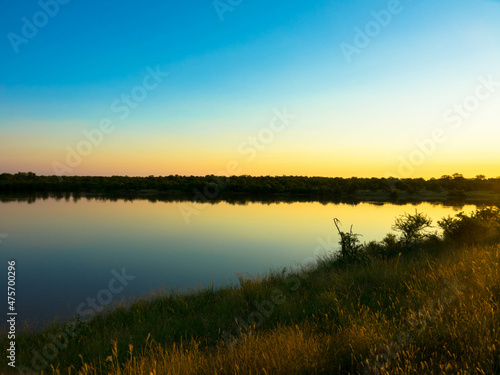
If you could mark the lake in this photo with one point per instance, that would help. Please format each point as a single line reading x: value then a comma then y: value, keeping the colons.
x: 76, y: 255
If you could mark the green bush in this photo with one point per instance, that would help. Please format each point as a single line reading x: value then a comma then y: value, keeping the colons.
x: 482, y: 226
x: 351, y: 250
x: 412, y: 228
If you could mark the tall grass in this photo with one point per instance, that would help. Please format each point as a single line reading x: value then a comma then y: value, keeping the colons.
x: 434, y: 310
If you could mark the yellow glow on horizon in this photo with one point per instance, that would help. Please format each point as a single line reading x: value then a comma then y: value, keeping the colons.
x: 141, y: 155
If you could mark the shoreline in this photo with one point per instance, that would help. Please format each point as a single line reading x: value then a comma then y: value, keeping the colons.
x: 429, y: 288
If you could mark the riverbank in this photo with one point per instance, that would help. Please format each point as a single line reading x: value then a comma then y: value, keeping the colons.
x: 211, y: 187
x: 428, y: 305
x: 449, y: 190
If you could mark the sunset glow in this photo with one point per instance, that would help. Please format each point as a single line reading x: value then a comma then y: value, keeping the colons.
x: 184, y: 89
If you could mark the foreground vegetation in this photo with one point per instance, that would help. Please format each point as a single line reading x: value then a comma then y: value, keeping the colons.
x: 416, y: 302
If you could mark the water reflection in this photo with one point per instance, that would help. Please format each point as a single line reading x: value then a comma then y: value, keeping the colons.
x: 241, y: 199
x: 67, y: 245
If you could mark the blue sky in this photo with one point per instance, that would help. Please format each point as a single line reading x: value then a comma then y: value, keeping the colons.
x: 226, y: 77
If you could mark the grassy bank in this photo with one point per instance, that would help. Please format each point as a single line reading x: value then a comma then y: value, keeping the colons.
x: 414, y: 303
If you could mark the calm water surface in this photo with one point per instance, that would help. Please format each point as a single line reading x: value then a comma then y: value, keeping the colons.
x: 66, y: 250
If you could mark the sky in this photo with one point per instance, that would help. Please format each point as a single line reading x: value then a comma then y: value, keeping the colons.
x: 195, y: 87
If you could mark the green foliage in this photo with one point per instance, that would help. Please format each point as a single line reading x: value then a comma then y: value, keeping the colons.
x: 482, y: 226
x: 394, y: 195
x: 457, y: 193
x: 412, y: 228
x: 391, y: 246
x: 350, y: 248
x: 374, y: 249
x: 216, y: 187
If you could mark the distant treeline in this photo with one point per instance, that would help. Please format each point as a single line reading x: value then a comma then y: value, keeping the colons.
x: 212, y: 187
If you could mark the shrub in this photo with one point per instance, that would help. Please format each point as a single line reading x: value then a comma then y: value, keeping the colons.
x: 374, y: 250
x: 350, y: 248
x: 391, y: 245
x: 482, y: 226
x: 412, y: 228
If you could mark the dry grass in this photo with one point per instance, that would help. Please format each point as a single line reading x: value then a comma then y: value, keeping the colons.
x: 427, y: 314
